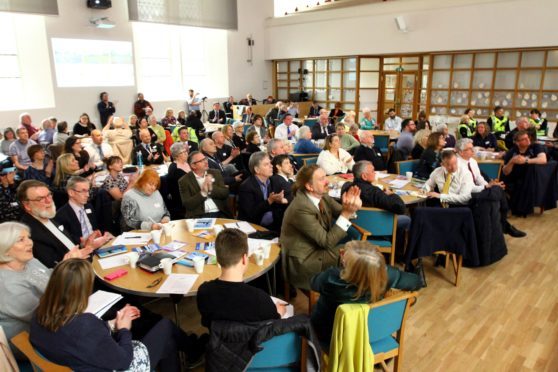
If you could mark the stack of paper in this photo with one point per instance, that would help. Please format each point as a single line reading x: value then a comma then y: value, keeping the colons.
x: 399, y: 184
x: 289, y: 307
x: 178, y: 283
x: 243, y: 226
x: 114, y: 261
x: 101, y: 301
x: 132, y: 238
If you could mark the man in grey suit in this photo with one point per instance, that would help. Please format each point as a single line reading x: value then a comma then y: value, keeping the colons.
x: 313, y: 225
x: 203, y: 191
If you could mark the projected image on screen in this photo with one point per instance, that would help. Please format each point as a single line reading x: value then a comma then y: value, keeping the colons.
x: 91, y: 63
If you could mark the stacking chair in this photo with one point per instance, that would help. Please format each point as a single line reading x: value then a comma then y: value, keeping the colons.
x: 38, y: 362
x: 310, y: 161
x: 492, y: 168
x: 402, y: 167
x: 377, y: 226
x: 381, y: 141
x: 282, y: 353
x: 310, y: 122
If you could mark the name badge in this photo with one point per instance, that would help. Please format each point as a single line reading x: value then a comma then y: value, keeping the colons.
x: 88, y: 211
x: 224, y: 154
x: 157, y: 205
x: 61, y: 227
x: 14, y: 204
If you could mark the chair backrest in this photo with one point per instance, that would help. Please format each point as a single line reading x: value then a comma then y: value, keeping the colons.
x: 246, y: 128
x: 381, y: 141
x: 280, y: 351
x: 377, y: 221
x: 55, y: 151
x: 492, y: 169
x: 406, y: 166
x: 39, y: 363
x: 300, y: 157
x: 310, y: 161
x: 310, y: 122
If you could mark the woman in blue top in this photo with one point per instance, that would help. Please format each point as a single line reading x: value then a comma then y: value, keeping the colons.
x: 304, y: 145
x: 367, y: 122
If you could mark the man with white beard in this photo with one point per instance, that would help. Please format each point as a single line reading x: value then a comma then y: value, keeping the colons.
x: 50, y: 242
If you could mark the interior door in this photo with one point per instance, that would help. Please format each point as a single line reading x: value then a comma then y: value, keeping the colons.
x: 400, y: 92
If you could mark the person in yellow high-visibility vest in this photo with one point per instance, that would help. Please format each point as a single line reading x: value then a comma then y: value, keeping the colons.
x: 499, y: 122
x: 464, y: 129
x: 540, y: 124
x: 472, y: 121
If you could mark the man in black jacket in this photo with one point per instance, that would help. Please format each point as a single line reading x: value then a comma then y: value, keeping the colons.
x: 150, y: 154
x: 217, y: 115
x: 367, y: 151
x: 322, y: 128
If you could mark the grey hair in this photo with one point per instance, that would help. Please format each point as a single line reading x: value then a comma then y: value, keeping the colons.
x: 366, y: 109
x: 440, y: 127
x: 461, y: 143
x: 420, y: 135
x: 303, y: 131
x: 74, y: 180
x: 22, y: 115
x: 151, y: 117
x: 177, y: 148
x: 45, y: 122
x: 522, y: 118
x: 203, y: 142
x: 360, y: 167
x: 216, y: 134
x: 10, y: 232
x: 272, y: 144
x: 255, y: 160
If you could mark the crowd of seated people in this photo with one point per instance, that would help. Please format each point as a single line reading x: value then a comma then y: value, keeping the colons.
x: 270, y: 188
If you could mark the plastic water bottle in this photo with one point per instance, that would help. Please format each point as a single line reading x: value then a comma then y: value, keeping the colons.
x: 140, y: 160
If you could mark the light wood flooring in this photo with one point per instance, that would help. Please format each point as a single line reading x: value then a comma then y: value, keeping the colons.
x: 503, y: 317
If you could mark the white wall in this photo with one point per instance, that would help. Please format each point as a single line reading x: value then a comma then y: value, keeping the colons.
x: 434, y: 25
x: 73, y: 22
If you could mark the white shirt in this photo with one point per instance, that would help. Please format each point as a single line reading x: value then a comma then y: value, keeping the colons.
x: 209, y: 204
x: 94, y: 156
x: 77, y: 209
x: 342, y: 222
x: 283, y: 133
x: 59, y: 234
x: 479, y: 182
x: 460, y: 187
x: 393, y: 124
x: 330, y: 164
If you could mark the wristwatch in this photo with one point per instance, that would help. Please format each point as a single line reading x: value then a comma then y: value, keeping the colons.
x: 526, y: 160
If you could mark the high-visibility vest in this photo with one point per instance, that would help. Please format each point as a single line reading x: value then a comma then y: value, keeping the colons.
x: 498, y: 126
x: 467, y: 127
x: 473, y: 124
x: 538, y: 126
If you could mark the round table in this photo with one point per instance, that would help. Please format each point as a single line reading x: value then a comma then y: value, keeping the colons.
x: 384, y: 182
x: 393, y: 134
x: 137, y: 280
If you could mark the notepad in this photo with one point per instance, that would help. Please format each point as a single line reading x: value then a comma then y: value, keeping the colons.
x: 178, y: 283
x: 398, y: 184
x: 243, y: 226
x: 100, y: 301
x: 132, y: 238
x: 289, y: 308
x: 114, y: 261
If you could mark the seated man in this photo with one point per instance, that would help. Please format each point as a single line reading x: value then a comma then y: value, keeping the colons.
x: 51, y: 243
x: 405, y: 140
x: 348, y: 142
x: 256, y: 199
x: 228, y: 297
x: 18, y: 150
x: 521, y: 123
x: 184, y: 138
x: 313, y: 225
x: 226, y: 154
x: 287, y: 130
x: 209, y: 149
x: 9, y: 208
x: 392, y: 122
x: 465, y: 158
x: 217, y: 115
x: 150, y: 153
x: 282, y: 180
x: 322, y: 128
x: 454, y: 183
x: 98, y: 150
x: 499, y: 123
x: 367, y: 151
x: 202, y: 191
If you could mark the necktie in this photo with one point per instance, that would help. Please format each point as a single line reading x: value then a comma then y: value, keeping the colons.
x: 472, y: 174
x: 83, y: 223
x: 323, y: 213
x: 288, y: 131
x: 446, y: 188
x: 100, y: 148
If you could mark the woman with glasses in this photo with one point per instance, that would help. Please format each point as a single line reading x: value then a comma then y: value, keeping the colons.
x: 40, y: 167
x: 177, y: 169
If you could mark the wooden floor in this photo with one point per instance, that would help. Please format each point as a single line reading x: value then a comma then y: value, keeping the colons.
x: 501, y: 318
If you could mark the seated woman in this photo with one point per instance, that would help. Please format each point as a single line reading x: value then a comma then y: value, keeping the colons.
x: 353, y: 131
x: 483, y: 137
x: 66, y: 167
x: 228, y: 133
x: 430, y: 158
x: 304, y: 145
x: 420, y: 140
x: 119, y: 137
x: 132, y: 122
x: 143, y: 207
x: 254, y: 142
x: 9, y: 138
x: 61, y: 320
x: 143, y: 124
x: 450, y: 139
x: 157, y: 129
x: 169, y: 118
x: 363, y: 277
x: 257, y: 126
x: 422, y: 122
x: 40, y: 168
x: 336, y: 112
x: 115, y: 183
x: 178, y: 168
x: 73, y: 146
x: 334, y: 159
x: 84, y: 126
x: 367, y: 122
x: 238, y: 136
x: 194, y: 121
x: 181, y: 118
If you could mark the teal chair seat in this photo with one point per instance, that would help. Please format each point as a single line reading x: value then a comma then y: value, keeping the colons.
x: 381, y: 141
x: 402, y: 167
x: 491, y: 168
x: 384, y: 345
x: 281, y: 353
x: 380, y: 242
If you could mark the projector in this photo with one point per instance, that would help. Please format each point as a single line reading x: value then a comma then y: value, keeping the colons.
x: 99, y: 4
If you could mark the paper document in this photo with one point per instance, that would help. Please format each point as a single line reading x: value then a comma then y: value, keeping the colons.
x: 289, y: 308
x: 255, y: 244
x: 381, y: 175
x: 335, y: 193
x: 243, y: 226
x: 178, y: 283
x: 398, y: 184
x: 173, y: 246
x: 101, y: 301
x: 114, y: 261
x: 132, y: 238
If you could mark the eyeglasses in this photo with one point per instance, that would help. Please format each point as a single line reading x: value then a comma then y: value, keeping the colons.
x: 86, y: 191
x: 42, y: 199
x: 199, y: 161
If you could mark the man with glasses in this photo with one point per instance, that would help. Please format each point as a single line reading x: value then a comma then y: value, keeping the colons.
x: 51, y: 241
x: 77, y: 216
x: 203, y: 191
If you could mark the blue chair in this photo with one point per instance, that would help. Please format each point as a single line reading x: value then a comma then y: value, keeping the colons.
x: 310, y: 161
x: 280, y: 354
x: 492, y: 168
x: 402, y: 167
x: 310, y: 122
x: 381, y: 141
x: 379, y: 228
x: 386, y: 318
x: 245, y: 129
x: 230, y: 121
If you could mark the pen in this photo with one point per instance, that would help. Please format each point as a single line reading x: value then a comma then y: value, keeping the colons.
x: 154, y: 283
x: 132, y: 237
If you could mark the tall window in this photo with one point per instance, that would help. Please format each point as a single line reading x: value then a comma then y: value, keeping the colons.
x: 10, y: 75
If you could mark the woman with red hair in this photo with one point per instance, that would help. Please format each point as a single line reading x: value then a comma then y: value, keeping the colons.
x: 143, y: 207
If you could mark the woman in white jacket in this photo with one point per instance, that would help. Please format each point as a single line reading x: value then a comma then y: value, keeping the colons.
x: 334, y: 159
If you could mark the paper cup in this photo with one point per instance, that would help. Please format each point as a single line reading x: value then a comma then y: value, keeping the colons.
x: 190, y: 223
x: 266, y: 249
x: 199, y: 263
x: 167, y: 228
x: 483, y: 155
x: 133, y: 258
x: 259, y: 257
x: 156, y: 236
x: 217, y: 229
x: 409, y: 175
x: 167, y: 265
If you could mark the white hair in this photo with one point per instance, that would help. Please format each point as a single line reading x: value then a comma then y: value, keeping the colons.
x: 441, y: 127
x: 10, y: 232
